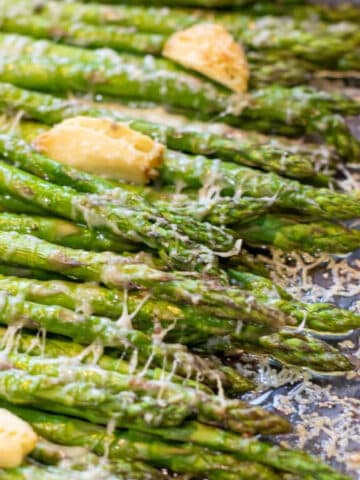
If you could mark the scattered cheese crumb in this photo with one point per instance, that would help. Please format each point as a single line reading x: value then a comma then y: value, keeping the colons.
x: 103, y: 147
x: 17, y: 439
x: 211, y: 50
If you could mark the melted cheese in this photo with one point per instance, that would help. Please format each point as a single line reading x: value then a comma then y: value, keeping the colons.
x: 17, y: 439
x: 211, y: 50
x: 103, y: 147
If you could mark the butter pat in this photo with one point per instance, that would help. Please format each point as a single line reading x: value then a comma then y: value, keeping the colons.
x: 102, y: 147
x: 211, y: 50
x: 17, y: 439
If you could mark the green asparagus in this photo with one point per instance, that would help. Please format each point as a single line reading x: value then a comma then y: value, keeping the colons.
x: 125, y: 198
x: 340, y: 12
x: 56, y: 473
x: 273, y: 189
x: 209, y: 408
x: 134, y: 344
x: 286, y: 159
x: 276, y: 109
x: 288, y: 234
x: 132, y: 272
x: 287, y: 346
x: 127, y: 408
x: 223, y: 210
x: 62, y: 232
x: 265, y: 66
x: 27, y: 343
x: 247, y: 470
x: 313, y: 41
x: 322, y: 317
x: 74, y: 432
x: 123, y: 221
x: 216, y: 334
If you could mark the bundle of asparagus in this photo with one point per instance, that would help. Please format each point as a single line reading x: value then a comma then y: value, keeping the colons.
x: 126, y: 294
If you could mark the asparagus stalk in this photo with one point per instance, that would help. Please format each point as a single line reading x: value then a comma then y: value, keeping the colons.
x: 84, y: 462
x: 134, y: 344
x: 70, y: 431
x: 118, y: 74
x: 125, y: 196
x: 116, y: 271
x: 54, y: 473
x: 286, y: 233
x: 275, y: 190
x: 12, y: 204
x: 265, y: 67
x: 71, y: 351
x: 27, y: 272
x: 343, y: 12
x: 287, y: 346
x: 62, y: 232
x: 55, y: 348
x: 322, y: 317
x: 284, y: 158
x: 136, y: 227
x: 149, y: 19
x: 93, y: 299
x: 276, y: 109
x: 178, y: 457
x: 123, y: 39
x: 17, y: 46
x: 247, y: 469
x: 291, y: 347
x: 65, y: 394
x: 266, y: 33
x: 230, y: 414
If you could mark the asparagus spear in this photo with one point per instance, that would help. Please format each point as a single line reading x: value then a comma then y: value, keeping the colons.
x: 114, y: 270
x: 284, y: 158
x: 256, y: 33
x: 287, y: 346
x: 180, y: 323
x: 275, y: 190
x: 75, y: 432
x: 54, y: 473
x: 286, y: 233
x: 123, y: 196
x: 276, y: 109
x: 178, y: 457
x: 28, y: 272
x: 341, y: 12
x: 265, y: 67
x: 208, y: 408
x: 62, y: 232
x: 132, y: 343
x: 247, y: 470
x: 12, y: 204
x: 136, y: 227
x: 158, y: 78
x: 84, y: 462
x: 54, y: 348
x: 291, y: 347
x: 17, y: 46
x: 138, y: 197
x: 65, y: 394
x: 123, y: 39
x: 322, y: 317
